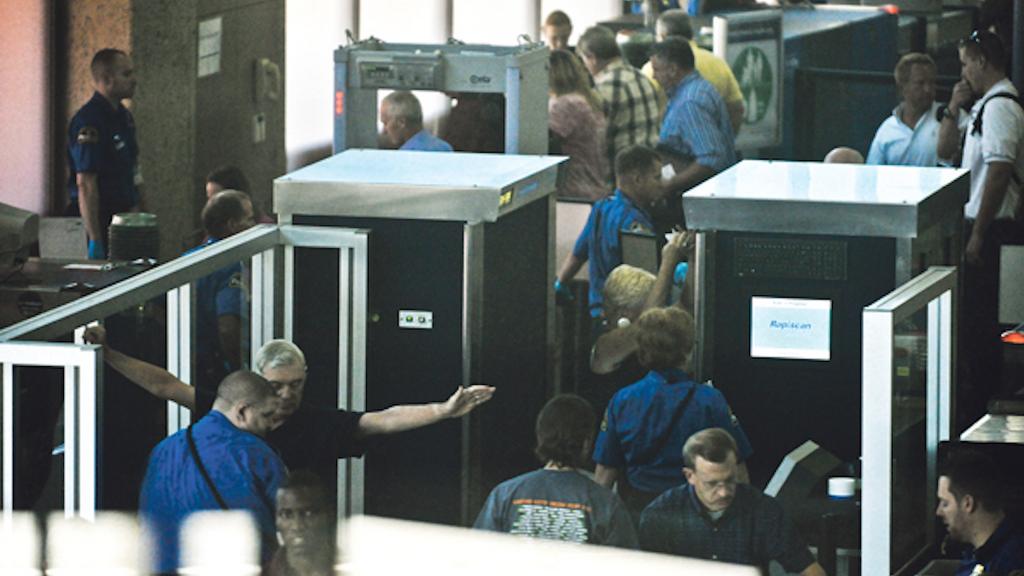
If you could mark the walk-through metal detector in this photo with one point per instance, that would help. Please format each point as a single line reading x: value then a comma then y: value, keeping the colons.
x: 520, y: 73
x: 789, y: 255
x: 461, y: 253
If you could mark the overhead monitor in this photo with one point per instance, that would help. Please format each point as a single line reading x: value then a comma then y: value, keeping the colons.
x: 790, y: 328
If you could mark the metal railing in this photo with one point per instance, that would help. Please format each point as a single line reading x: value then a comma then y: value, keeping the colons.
x: 934, y: 291
x: 25, y: 344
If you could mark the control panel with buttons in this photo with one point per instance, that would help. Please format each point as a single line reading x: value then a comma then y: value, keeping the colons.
x: 416, y: 319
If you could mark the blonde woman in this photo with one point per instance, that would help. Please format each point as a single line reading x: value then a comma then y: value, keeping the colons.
x: 577, y: 125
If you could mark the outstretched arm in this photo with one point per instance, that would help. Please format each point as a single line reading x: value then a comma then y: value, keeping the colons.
x: 151, y: 378
x: 409, y: 416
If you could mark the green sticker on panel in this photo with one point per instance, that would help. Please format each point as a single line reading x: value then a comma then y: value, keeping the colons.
x: 754, y: 73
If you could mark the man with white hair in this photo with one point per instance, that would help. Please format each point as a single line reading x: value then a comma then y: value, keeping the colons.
x: 307, y: 437
x: 402, y: 117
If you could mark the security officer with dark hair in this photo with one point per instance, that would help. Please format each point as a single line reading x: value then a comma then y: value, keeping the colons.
x: 102, y: 152
x: 221, y: 302
x: 638, y: 186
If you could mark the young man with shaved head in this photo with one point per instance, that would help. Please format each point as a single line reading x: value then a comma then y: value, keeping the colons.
x: 104, y: 176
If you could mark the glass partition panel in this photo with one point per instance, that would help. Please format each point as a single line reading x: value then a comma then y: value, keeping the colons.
x: 907, y: 367
x: 204, y: 312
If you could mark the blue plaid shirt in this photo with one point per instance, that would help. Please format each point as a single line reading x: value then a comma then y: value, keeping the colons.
x: 754, y: 530
x: 696, y: 126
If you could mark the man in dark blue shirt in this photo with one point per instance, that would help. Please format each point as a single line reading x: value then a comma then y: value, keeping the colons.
x: 231, y: 467
x: 221, y: 301
x: 637, y: 180
x: 714, y: 517
x: 971, y: 505
x: 102, y: 151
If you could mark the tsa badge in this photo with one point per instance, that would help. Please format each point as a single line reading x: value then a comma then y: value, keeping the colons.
x: 88, y: 135
x: 639, y: 227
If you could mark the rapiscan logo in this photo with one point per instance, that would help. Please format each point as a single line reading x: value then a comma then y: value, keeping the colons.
x: 474, y: 79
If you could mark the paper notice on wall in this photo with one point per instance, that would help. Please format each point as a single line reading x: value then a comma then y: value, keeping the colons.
x: 210, y: 33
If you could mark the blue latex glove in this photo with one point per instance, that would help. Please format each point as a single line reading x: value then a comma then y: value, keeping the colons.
x: 97, y: 250
x: 562, y: 293
x: 679, y: 277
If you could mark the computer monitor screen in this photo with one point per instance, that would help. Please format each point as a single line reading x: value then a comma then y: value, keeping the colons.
x: 790, y: 328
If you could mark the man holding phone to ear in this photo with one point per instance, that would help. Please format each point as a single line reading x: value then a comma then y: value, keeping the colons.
x: 992, y: 135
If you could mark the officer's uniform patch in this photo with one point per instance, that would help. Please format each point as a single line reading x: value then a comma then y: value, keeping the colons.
x: 88, y: 135
x: 235, y: 281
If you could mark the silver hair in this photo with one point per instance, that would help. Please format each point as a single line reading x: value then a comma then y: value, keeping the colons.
x: 277, y: 354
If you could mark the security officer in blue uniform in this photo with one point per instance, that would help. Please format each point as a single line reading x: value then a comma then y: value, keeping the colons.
x: 638, y: 177
x: 221, y: 300
x: 641, y: 440
x: 102, y: 151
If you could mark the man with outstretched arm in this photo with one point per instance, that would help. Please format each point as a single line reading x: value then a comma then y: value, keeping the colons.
x: 307, y: 437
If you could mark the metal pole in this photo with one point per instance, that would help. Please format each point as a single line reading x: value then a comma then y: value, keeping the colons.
x: 1018, y: 45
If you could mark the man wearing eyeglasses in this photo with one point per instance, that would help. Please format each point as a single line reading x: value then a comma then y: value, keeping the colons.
x: 992, y: 133
x: 715, y: 517
x: 307, y: 437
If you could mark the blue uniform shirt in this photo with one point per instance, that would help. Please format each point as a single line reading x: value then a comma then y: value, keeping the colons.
x: 1002, y: 553
x: 639, y: 415
x: 696, y: 127
x: 426, y: 142
x: 217, y: 294
x: 246, y: 471
x: 599, y: 240
x: 101, y: 140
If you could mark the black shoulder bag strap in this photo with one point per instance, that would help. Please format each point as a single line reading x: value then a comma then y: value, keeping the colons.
x: 977, y: 125
x: 202, y: 469
x: 659, y: 444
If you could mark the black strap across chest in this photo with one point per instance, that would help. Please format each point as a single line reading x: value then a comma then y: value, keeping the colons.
x: 202, y: 469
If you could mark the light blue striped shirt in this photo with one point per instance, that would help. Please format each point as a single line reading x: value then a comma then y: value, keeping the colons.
x: 696, y: 126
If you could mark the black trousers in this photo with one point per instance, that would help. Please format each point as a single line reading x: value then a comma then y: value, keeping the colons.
x: 980, y: 344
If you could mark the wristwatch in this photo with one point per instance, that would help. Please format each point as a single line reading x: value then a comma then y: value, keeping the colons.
x: 947, y: 113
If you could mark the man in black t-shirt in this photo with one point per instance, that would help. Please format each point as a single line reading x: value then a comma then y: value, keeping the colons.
x: 307, y: 437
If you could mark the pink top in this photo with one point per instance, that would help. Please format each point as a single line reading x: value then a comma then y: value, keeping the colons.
x: 582, y: 131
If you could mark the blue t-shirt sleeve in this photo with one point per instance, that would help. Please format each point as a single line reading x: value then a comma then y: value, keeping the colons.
x: 722, y: 417
x: 84, y: 144
x: 491, y: 515
x: 607, y: 450
x: 621, y: 531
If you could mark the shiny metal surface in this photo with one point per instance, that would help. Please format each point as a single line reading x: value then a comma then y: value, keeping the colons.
x: 420, y: 185
x: 835, y: 199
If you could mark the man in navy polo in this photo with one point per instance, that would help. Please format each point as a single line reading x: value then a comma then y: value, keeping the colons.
x: 637, y: 180
x: 102, y: 152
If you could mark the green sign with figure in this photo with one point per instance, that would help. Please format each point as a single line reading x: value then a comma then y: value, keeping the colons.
x: 753, y: 72
x: 751, y: 43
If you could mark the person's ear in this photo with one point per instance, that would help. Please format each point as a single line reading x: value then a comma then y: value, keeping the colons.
x: 968, y: 503
x: 689, y: 475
